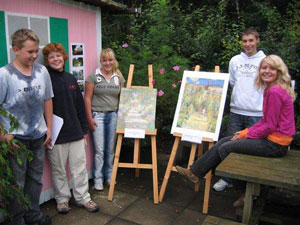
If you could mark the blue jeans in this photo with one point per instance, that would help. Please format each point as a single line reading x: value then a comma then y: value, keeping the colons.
x: 104, y: 141
x: 29, y: 177
x: 240, y: 122
x: 236, y: 123
x: 214, y: 156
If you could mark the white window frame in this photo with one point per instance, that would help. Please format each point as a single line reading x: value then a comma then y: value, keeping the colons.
x: 9, y: 46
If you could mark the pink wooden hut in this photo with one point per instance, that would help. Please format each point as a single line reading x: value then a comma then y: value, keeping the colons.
x: 68, y: 22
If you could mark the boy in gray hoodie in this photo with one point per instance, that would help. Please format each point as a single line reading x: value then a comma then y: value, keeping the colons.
x: 246, y: 100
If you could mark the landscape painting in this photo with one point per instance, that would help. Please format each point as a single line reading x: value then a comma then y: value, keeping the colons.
x: 137, y: 109
x: 201, y: 103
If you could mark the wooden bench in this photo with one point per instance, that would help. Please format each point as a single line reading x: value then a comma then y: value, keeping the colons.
x: 212, y: 220
x: 281, y: 172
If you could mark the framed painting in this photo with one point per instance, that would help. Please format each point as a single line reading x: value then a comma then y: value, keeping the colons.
x: 137, y: 109
x: 200, y: 104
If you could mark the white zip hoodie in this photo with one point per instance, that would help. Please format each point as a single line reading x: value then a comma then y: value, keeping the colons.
x: 245, y: 99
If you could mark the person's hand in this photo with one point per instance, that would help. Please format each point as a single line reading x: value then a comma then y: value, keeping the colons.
x: 85, y: 139
x: 8, y: 138
x: 236, y: 136
x: 47, y: 143
x: 92, y: 124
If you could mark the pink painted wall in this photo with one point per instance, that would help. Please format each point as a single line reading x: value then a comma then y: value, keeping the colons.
x: 82, y: 23
x: 82, y: 29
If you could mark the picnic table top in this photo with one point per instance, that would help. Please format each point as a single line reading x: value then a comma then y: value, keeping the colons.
x: 280, y: 172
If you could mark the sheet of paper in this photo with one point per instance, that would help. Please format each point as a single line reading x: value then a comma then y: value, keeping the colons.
x: 191, y: 138
x: 57, y: 123
x: 134, y: 133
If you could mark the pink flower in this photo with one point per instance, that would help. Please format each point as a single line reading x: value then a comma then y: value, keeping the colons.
x: 153, y: 82
x: 125, y: 45
x: 174, y: 85
x: 160, y: 93
x: 162, y: 71
x: 176, y: 68
x: 179, y: 82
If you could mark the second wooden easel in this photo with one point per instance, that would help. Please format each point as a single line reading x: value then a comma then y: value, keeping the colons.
x: 136, y: 156
x: 171, y: 167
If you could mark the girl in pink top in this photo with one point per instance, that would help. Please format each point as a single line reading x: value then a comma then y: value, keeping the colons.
x: 270, y: 137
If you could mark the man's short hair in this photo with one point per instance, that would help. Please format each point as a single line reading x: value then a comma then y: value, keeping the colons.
x: 20, y: 36
x: 249, y: 31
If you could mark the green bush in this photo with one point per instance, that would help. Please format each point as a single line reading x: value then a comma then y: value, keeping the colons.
x: 205, y: 33
x: 8, y: 187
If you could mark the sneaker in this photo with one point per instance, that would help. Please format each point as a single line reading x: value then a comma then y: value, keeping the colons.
x: 188, y: 174
x: 98, y: 187
x: 107, y: 183
x: 45, y: 220
x: 90, y: 206
x: 63, y: 208
x: 221, y: 185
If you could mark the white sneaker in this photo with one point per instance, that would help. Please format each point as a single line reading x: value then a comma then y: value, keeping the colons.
x: 107, y: 183
x: 221, y: 185
x: 98, y: 187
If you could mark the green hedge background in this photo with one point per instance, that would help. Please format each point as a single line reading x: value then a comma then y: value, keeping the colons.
x: 186, y: 33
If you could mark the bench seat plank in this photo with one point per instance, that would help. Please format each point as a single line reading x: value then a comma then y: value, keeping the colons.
x: 280, y: 172
x: 212, y: 220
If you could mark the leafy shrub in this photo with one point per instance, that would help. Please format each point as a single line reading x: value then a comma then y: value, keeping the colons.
x: 8, y: 187
x: 205, y: 33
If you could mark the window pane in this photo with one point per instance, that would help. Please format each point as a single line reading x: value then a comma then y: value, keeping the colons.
x: 11, y: 55
x: 40, y: 59
x: 40, y: 28
x: 15, y: 23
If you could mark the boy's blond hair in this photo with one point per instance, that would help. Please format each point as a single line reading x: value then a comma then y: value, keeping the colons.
x: 20, y: 36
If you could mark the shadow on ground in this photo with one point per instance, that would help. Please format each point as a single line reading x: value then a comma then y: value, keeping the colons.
x: 133, y: 200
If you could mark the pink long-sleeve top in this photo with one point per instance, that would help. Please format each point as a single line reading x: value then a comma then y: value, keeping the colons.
x: 277, y: 123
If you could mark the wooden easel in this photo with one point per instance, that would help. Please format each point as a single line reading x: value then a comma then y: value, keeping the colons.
x: 171, y: 167
x: 136, y: 156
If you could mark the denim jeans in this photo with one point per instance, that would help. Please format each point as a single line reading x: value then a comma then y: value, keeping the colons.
x: 29, y: 177
x: 240, y: 122
x: 257, y: 147
x: 104, y: 141
x: 236, y: 123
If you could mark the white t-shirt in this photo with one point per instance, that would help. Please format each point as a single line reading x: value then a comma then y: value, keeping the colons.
x: 23, y: 97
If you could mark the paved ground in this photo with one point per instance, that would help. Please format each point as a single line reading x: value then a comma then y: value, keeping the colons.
x: 133, y: 202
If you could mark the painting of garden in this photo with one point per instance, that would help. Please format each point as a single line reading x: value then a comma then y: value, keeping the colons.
x: 137, y: 109
x: 201, y: 102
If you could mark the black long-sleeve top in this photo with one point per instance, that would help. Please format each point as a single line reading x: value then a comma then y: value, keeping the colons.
x: 68, y: 104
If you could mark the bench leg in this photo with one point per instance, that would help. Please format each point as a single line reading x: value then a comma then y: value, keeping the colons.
x: 251, y: 189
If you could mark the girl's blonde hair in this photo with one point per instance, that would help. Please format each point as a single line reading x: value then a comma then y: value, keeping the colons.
x: 283, y: 77
x: 108, y: 53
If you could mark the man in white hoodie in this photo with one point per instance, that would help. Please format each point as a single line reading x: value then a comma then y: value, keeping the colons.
x: 246, y: 100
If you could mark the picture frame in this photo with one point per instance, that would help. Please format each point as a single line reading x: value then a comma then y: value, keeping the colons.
x: 78, y: 63
x: 200, y: 104
x: 137, y: 109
